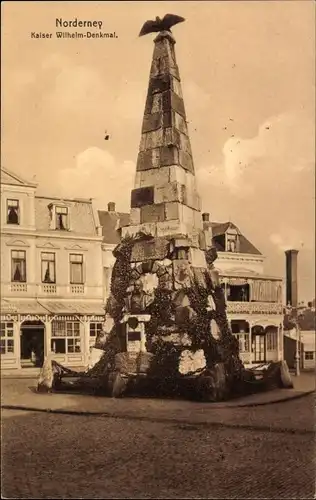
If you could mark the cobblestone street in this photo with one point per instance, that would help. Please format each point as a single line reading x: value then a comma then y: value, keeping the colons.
x: 71, y: 456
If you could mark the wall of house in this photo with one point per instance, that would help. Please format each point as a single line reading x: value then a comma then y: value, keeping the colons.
x: 34, y: 236
x: 229, y: 261
x: 37, y: 240
x: 34, y: 246
x: 309, y: 349
x: 108, y: 261
x: 26, y: 197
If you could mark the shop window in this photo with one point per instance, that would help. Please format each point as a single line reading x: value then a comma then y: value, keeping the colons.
x: 271, y: 341
x: 7, y: 341
x: 13, y: 212
x: 76, y: 269
x: 65, y: 337
x: 18, y: 266
x: 309, y: 355
x: 95, y: 329
x: 48, y: 268
x: 243, y: 339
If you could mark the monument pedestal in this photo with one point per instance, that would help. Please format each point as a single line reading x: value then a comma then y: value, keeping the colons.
x: 135, y: 332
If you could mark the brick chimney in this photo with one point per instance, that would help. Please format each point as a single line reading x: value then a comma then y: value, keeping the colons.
x: 291, y: 277
x: 206, y: 217
x: 111, y: 206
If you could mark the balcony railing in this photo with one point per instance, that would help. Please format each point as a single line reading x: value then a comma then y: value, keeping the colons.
x: 18, y: 287
x: 50, y: 290
x: 254, y: 308
x: 77, y: 289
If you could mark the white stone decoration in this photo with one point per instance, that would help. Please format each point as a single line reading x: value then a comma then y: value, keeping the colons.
x: 150, y: 282
x: 108, y: 324
x: 94, y: 357
x: 191, y: 361
x: 214, y: 329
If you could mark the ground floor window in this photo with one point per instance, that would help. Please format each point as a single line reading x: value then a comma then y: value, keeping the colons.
x: 272, y: 340
x: 309, y: 355
x: 95, y: 330
x: 243, y: 339
x: 65, y: 337
x: 7, y: 341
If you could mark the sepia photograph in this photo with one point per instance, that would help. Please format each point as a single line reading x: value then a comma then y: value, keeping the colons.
x: 158, y: 249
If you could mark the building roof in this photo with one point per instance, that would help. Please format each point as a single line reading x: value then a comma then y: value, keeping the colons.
x: 8, y: 177
x: 220, y: 228
x: 111, y: 223
x: 81, y: 215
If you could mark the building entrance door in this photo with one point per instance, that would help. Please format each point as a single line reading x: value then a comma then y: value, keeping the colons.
x: 32, y: 343
x: 258, y: 344
x: 259, y: 348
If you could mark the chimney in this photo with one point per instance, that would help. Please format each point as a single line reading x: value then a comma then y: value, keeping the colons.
x: 291, y: 277
x: 111, y: 206
x: 206, y: 217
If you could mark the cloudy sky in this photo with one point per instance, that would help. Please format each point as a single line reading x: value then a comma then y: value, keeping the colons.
x: 248, y: 79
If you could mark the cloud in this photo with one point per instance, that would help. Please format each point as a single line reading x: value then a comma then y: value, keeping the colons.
x: 77, y: 88
x: 97, y: 175
x: 292, y: 240
x: 281, y: 149
x: 195, y: 96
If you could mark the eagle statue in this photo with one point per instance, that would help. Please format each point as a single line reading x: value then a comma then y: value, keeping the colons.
x: 158, y: 25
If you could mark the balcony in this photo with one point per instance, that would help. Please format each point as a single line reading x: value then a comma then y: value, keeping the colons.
x: 77, y: 289
x: 254, y: 308
x: 18, y: 287
x: 50, y: 290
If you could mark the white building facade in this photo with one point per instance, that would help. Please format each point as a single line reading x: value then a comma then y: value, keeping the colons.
x: 254, y: 300
x: 52, y: 293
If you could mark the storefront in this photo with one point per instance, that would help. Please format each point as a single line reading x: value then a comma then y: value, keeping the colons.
x: 30, y: 330
x: 260, y: 341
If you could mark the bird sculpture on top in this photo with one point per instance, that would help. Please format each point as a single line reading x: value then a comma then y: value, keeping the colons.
x: 158, y: 25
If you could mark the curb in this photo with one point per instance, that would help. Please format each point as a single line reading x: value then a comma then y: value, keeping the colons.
x: 184, y: 424
x: 280, y: 400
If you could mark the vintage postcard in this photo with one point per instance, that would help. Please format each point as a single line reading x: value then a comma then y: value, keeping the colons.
x: 157, y: 249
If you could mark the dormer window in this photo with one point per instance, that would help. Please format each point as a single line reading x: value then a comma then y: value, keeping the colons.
x: 13, y: 212
x: 61, y: 218
x: 231, y: 242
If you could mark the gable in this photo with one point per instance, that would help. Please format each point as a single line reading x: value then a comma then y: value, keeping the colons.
x: 47, y: 246
x: 17, y: 243
x: 231, y: 231
x: 76, y: 248
x: 8, y: 177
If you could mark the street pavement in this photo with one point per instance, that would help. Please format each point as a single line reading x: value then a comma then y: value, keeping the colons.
x: 47, y: 455
x: 146, y: 448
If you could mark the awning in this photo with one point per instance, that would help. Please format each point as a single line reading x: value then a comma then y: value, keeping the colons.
x: 22, y: 307
x: 72, y: 307
x: 247, y: 275
x: 51, y: 307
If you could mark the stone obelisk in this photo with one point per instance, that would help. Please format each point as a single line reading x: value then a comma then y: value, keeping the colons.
x: 165, y: 202
x: 164, y: 289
